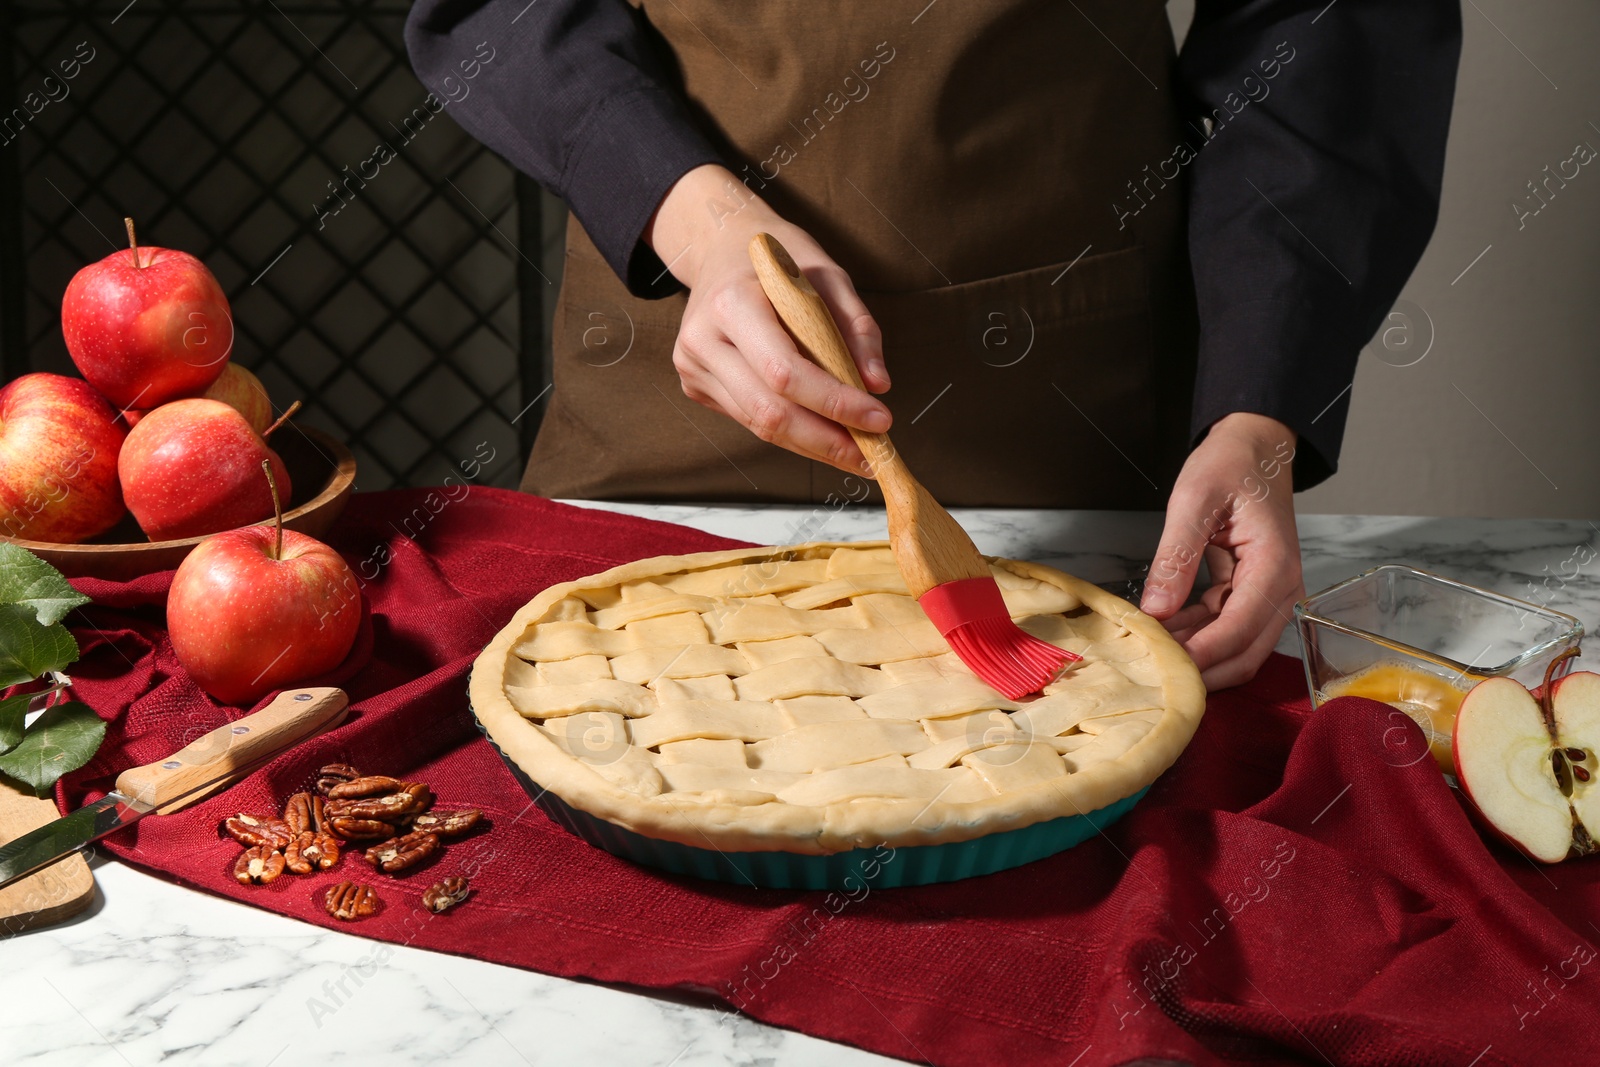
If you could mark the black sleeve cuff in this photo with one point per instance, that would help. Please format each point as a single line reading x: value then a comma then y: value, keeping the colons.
x: 1279, y: 359
x: 630, y: 151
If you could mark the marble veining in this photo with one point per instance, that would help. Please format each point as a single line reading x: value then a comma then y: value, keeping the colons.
x: 159, y: 974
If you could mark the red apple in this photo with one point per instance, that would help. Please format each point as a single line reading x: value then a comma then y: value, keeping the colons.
x: 147, y: 325
x: 243, y: 392
x: 259, y: 609
x: 1527, y: 761
x: 193, y: 467
x: 59, y: 441
x: 237, y: 388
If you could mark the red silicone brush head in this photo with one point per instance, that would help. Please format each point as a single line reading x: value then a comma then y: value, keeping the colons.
x: 972, y: 616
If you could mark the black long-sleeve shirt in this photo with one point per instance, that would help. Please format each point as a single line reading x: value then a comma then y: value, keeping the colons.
x: 1309, y: 206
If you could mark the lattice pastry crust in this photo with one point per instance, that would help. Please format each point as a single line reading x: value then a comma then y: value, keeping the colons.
x: 797, y: 699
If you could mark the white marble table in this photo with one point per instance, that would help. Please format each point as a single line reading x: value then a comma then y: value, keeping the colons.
x: 155, y: 973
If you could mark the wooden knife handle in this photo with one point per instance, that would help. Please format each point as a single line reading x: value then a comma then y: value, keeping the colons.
x: 811, y: 324
x: 222, y: 755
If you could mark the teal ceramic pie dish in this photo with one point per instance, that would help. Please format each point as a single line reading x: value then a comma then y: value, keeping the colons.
x: 881, y: 867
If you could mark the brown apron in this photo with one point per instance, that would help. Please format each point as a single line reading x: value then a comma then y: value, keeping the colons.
x: 964, y: 162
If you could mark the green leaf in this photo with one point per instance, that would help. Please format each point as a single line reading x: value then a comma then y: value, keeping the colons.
x: 27, y: 580
x: 12, y: 712
x: 27, y: 649
x: 63, y: 739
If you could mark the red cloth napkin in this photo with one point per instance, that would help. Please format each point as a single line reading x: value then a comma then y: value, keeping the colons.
x: 1299, y: 888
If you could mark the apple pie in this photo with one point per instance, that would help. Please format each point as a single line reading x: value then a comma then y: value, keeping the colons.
x: 798, y: 700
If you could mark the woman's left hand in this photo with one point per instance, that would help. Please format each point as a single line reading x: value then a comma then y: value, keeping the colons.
x: 1234, y: 506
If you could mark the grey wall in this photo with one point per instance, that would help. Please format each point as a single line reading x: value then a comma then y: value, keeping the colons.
x: 1499, y: 417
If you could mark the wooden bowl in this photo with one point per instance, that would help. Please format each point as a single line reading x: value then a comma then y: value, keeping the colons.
x: 321, y: 469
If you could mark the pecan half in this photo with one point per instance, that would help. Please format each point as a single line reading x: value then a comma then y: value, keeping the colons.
x: 304, y: 812
x: 399, y: 853
x: 348, y: 900
x: 448, y: 823
x: 351, y: 828
x: 421, y: 796
x: 368, y: 786
x: 409, y: 800
x: 253, y: 830
x: 442, y: 896
x: 333, y: 774
x: 258, y: 865
x: 311, y: 851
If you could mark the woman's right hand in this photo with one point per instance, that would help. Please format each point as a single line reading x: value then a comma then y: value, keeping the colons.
x: 732, y: 353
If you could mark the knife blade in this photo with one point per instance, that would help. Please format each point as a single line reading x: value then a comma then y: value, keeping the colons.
x: 199, y: 769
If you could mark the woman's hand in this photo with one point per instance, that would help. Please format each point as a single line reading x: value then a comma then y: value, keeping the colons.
x: 732, y: 353
x: 1232, y: 504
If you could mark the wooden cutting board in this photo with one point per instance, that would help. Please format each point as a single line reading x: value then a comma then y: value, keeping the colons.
x: 57, y: 892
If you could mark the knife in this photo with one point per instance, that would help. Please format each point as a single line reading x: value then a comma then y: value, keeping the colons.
x: 199, y: 769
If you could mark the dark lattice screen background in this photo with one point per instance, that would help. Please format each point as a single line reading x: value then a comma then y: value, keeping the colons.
x: 410, y: 322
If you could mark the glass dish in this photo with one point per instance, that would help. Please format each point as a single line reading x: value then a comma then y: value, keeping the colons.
x: 1419, y: 641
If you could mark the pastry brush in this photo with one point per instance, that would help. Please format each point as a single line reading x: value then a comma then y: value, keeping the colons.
x: 939, y: 562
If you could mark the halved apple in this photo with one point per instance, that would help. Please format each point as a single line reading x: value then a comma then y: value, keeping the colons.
x: 1527, y: 761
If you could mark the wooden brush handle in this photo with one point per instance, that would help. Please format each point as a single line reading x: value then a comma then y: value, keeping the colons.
x: 227, y: 753
x: 811, y: 324
x: 929, y: 545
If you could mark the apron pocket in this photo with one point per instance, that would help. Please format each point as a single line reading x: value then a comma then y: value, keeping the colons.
x: 1041, y: 388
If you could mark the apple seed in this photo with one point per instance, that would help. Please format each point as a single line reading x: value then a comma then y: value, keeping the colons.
x: 1562, y: 771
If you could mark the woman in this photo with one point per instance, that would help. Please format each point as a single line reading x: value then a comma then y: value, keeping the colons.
x: 1104, y: 276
